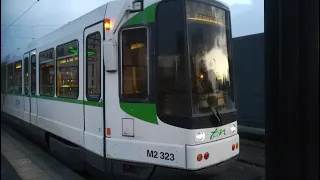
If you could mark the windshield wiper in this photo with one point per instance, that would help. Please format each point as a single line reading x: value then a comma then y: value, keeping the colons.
x: 202, y: 86
x: 212, y: 107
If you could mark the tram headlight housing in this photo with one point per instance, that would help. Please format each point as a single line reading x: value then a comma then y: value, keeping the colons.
x: 137, y: 5
x: 199, y: 136
x: 233, y: 128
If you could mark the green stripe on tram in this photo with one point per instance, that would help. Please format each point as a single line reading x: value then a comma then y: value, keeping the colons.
x: 144, y: 111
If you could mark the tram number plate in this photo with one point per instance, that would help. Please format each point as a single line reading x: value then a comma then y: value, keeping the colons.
x: 160, y: 155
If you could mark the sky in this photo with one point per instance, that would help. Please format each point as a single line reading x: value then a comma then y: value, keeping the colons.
x: 247, y: 17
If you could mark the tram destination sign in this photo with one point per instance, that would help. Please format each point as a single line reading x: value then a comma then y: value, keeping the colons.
x: 206, y: 13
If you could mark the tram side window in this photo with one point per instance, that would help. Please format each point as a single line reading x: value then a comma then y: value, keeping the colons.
x: 18, y: 77
x: 68, y: 70
x: 46, y: 74
x: 93, y: 43
x: 26, y: 75
x: 3, y: 79
x: 33, y: 75
x: 10, y: 83
x: 134, y: 63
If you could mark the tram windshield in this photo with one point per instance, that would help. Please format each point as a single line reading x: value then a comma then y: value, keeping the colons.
x: 194, y: 88
x: 209, y: 60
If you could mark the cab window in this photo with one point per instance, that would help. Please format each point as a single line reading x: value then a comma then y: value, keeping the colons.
x: 134, y: 48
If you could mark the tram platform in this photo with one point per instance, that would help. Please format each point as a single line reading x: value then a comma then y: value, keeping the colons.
x: 23, y: 160
x: 7, y: 171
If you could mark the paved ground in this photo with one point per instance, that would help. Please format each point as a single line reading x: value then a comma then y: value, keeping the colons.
x: 30, y: 162
x: 241, y: 171
x: 250, y: 164
x: 7, y: 171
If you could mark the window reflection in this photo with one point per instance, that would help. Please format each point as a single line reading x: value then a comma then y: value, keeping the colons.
x: 171, y: 64
x: 46, y: 76
x: 10, y: 84
x: 134, y: 63
x: 18, y: 77
x: 93, y: 67
x: 207, y: 35
x: 68, y: 70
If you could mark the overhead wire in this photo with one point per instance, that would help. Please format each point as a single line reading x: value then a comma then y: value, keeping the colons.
x: 10, y: 25
x: 21, y: 15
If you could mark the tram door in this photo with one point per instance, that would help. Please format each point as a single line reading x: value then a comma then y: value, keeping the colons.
x: 93, y: 94
x: 30, y: 104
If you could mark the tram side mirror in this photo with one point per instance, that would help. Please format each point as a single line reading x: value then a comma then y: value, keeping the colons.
x: 111, y: 63
x: 137, y: 6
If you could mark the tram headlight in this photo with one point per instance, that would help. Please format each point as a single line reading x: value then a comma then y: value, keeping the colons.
x: 199, y: 136
x: 233, y: 128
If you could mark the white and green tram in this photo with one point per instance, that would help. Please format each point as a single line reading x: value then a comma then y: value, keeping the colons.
x: 136, y: 89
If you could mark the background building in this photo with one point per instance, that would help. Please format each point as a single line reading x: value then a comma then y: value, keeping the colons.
x: 248, y: 55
